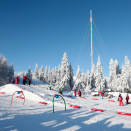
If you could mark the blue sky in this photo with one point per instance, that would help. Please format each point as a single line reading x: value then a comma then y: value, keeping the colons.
x: 40, y: 31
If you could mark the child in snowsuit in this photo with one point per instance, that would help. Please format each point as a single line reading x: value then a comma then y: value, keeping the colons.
x: 13, y: 80
x: 127, y: 98
x: 119, y: 96
x: 75, y: 93
x: 79, y: 93
x: 61, y: 90
x: 17, y: 80
x: 120, y: 100
x: 29, y: 81
x: 102, y: 94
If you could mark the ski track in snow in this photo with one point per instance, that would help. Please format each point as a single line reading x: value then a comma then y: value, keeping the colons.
x: 35, y: 116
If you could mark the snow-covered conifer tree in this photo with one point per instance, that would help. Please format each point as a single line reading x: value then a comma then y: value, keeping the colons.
x: 29, y: 75
x: 78, y: 74
x: 71, y: 76
x: 36, y: 73
x: 93, y: 76
x: 88, y: 84
x: 41, y: 74
x: 99, y: 83
x: 46, y: 75
x: 65, y: 74
x: 117, y: 70
x: 10, y: 72
x: 58, y: 76
x: 79, y: 85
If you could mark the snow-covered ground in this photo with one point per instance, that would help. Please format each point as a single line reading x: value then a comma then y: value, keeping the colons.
x: 33, y: 116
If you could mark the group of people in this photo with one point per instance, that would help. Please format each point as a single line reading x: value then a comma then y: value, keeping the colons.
x: 79, y: 93
x: 120, y: 99
x: 18, y: 79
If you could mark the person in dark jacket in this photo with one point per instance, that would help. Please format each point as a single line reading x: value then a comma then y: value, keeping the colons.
x: 119, y: 96
x: 24, y: 79
x: 127, y: 99
x: 120, y: 100
x: 29, y: 81
x: 13, y: 80
x: 79, y: 93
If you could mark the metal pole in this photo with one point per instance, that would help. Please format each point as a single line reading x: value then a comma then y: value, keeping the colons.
x: 91, y: 40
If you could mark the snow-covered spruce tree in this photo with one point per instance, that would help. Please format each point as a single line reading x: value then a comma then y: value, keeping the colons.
x: 41, y: 74
x: 65, y: 74
x: 88, y: 84
x: 49, y: 74
x: 29, y: 75
x: 112, y: 70
x: 93, y: 77
x: 116, y: 66
x: 10, y: 72
x: 46, y: 75
x: 71, y: 76
x: 58, y: 77
x: 83, y: 77
x: 53, y: 78
x: 3, y: 70
x: 99, y: 83
x: 79, y: 85
x: 6, y: 71
x: 36, y: 73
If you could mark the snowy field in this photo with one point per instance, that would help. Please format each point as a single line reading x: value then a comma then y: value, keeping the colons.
x: 33, y: 116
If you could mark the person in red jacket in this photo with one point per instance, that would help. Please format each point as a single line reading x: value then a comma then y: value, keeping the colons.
x: 17, y: 80
x: 13, y: 80
x: 75, y: 93
x: 102, y: 94
x: 127, y: 98
x: 24, y: 79
x: 120, y: 100
x: 29, y: 81
x: 79, y: 93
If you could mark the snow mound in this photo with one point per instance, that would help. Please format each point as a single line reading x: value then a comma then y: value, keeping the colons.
x: 11, y: 88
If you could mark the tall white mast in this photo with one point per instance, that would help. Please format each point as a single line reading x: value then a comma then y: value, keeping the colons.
x: 91, y: 40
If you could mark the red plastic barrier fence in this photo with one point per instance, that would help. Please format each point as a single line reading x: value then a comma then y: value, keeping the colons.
x: 74, y: 106
x: 44, y: 103
x: 2, y: 92
x: 20, y: 97
x: 128, y: 102
x: 123, y: 113
x: 94, y: 99
x: 94, y: 109
x: 83, y: 97
x: 111, y: 100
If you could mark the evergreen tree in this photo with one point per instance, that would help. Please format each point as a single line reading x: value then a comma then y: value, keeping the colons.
x: 41, y: 73
x: 71, y: 76
x: 93, y: 76
x: 78, y: 74
x: 29, y: 75
x: 65, y: 74
x: 49, y: 75
x: 36, y: 73
x: 10, y: 72
x: 46, y: 75
x: 99, y: 76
